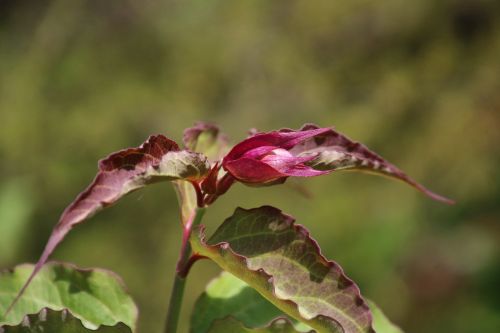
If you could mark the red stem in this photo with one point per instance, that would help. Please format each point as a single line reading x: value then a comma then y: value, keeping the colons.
x: 187, y: 267
x: 199, y: 194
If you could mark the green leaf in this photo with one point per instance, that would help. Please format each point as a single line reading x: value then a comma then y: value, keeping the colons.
x: 381, y: 323
x: 264, y: 248
x: 50, y: 321
x: 95, y: 296
x: 232, y: 325
x: 227, y: 296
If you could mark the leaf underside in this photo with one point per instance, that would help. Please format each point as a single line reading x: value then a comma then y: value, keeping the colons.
x: 95, y: 296
x: 186, y: 198
x: 157, y: 159
x: 50, y: 321
x: 278, y: 258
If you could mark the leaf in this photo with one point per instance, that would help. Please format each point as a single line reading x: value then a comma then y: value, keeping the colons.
x: 95, y: 296
x: 186, y: 197
x: 264, y: 248
x: 157, y: 159
x: 50, y: 321
x: 229, y: 301
x: 334, y: 151
x: 381, y: 323
x: 270, y: 158
x: 227, y: 296
x: 232, y: 325
x: 206, y: 138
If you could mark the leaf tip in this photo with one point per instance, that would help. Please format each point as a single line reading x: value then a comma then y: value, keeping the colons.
x: 427, y: 192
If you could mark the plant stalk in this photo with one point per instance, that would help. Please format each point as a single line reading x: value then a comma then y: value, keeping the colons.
x: 183, y: 265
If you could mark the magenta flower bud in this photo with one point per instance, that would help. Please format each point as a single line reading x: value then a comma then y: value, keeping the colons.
x: 267, y: 158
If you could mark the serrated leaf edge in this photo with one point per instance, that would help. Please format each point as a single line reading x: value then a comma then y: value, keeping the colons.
x: 266, y: 277
x: 51, y: 263
x: 64, y: 312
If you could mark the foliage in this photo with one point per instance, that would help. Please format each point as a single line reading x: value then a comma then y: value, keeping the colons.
x: 268, y: 251
x: 58, y: 321
x: 416, y: 81
x: 227, y: 298
x: 261, y: 246
x: 94, y: 296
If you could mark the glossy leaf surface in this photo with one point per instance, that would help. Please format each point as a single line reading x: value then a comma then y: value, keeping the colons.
x: 279, y: 259
x: 95, y: 296
x: 50, y: 321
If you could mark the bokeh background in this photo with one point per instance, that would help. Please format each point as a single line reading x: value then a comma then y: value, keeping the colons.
x: 417, y: 81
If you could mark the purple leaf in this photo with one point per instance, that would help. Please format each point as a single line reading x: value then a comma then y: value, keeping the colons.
x: 270, y: 158
x: 158, y: 159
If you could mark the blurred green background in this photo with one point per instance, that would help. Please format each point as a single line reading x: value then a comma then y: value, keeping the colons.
x: 417, y: 81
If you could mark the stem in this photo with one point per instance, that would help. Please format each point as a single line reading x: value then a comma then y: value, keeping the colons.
x: 174, y: 308
x: 199, y: 194
x: 183, y: 264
